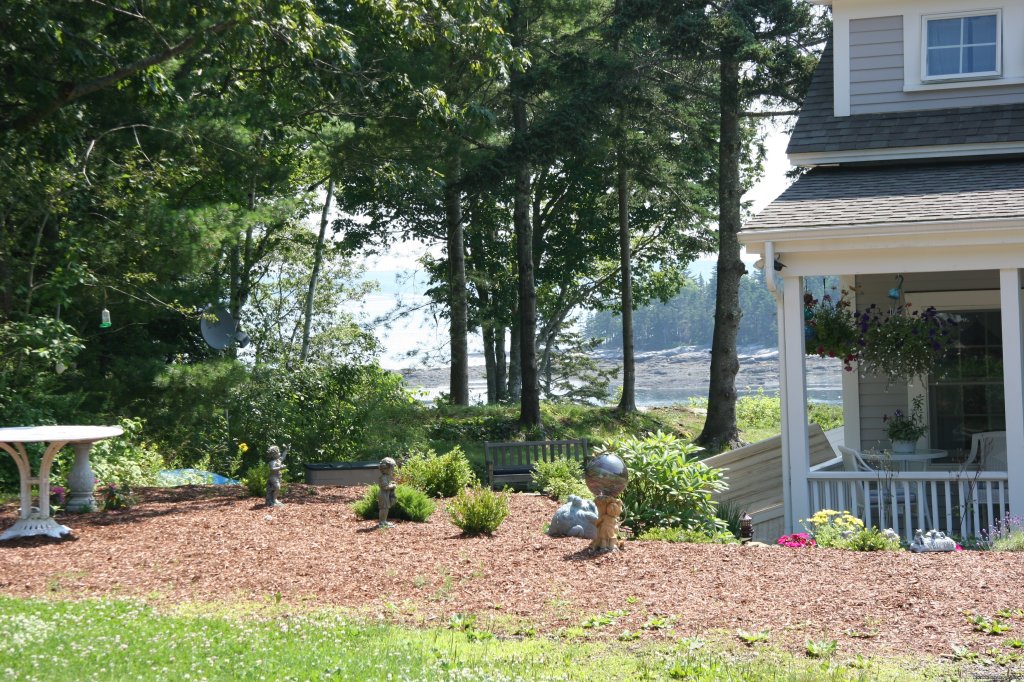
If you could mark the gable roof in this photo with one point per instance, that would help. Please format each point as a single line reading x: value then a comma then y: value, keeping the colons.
x: 819, y: 130
x: 904, y: 194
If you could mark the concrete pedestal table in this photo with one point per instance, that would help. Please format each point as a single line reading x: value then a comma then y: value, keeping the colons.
x: 37, y: 520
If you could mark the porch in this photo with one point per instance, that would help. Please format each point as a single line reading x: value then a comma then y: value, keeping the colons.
x: 955, y: 234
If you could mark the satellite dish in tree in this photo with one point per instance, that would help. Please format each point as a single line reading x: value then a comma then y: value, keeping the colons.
x: 220, y: 330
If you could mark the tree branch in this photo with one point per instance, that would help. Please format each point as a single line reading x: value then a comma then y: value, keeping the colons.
x: 74, y: 91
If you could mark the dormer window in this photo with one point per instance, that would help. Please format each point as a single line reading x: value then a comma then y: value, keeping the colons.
x: 961, y: 46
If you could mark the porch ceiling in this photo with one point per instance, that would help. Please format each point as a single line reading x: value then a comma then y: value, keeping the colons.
x: 903, y: 195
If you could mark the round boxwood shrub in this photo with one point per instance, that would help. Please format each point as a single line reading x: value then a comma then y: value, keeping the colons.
x: 410, y: 504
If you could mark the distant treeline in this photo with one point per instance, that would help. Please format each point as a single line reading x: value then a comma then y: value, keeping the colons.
x: 689, y: 318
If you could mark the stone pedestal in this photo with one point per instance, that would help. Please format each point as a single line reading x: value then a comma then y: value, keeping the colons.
x: 81, y: 481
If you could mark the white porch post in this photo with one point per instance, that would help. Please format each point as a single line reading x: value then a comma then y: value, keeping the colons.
x: 794, y: 397
x: 1013, y: 383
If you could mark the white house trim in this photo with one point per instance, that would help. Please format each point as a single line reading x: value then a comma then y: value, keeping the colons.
x: 1013, y: 383
x: 795, y: 397
x: 851, y: 382
x: 905, y: 153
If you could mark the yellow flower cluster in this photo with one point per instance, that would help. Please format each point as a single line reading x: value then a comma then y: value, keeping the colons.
x: 840, y: 521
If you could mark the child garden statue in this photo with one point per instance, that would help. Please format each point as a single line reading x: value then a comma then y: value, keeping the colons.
x: 386, y: 492
x: 275, y: 461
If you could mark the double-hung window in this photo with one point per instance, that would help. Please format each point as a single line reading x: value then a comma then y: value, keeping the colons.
x: 961, y: 46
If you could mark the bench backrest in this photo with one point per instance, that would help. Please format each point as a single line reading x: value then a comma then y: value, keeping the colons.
x: 528, y: 453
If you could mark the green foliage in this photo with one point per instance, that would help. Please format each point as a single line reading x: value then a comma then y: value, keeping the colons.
x: 437, y: 475
x: 760, y: 412
x: 114, y: 497
x: 910, y: 427
x: 988, y: 626
x: 325, y: 412
x: 255, y: 480
x: 410, y: 504
x: 127, y: 461
x: 698, y: 536
x: 904, y: 344
x: 560, y: 478
x: 842, y: 530
x: 478, y: 510
x: 823, y: 648
x: 667, y: 487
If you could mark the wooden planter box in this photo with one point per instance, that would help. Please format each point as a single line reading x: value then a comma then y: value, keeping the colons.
x: 342, y: 473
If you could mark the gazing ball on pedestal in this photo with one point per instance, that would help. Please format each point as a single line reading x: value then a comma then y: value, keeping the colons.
x: 606, y: 475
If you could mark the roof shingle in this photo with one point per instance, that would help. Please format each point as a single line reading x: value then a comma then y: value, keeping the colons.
x: 826, y: 196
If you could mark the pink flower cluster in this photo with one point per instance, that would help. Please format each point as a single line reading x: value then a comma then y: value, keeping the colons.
x: 796, y: 540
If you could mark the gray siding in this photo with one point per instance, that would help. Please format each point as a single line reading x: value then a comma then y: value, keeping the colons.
x: 877, y: 396
x: 876, y: 75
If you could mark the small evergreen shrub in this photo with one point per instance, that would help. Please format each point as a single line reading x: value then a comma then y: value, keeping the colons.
x: 478, y: 510
x: 410, y: 504
x: 438, y: 475
x: 255, y: 480
x: 559, y: 479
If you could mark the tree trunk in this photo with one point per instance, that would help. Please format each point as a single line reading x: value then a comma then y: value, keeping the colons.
x: 458, y: 300
x: 500, y: 365
x: 490, y: 361
x: 515, y: 377
x: 627, y: 403
x: 318, y: 257
x: 720, y: 426
x: 529, y: 400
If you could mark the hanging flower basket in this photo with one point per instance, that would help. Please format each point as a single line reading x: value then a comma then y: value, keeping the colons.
x: 830, y: 328
x: 903, y: 344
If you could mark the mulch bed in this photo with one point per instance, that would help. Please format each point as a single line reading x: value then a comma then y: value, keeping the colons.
x: 214, y: 543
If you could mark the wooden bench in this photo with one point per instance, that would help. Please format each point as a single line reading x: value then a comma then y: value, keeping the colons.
x: 513, y: 462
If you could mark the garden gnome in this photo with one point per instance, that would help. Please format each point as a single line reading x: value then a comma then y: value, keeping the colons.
x: 386, y: 492
x: 275, y: 461
x: 609, y: 508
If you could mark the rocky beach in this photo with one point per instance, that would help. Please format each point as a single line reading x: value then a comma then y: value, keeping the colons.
x: 668, y: 377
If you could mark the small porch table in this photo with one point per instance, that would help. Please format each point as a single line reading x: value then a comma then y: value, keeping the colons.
x: 37, y: 521
x: 917, y: 460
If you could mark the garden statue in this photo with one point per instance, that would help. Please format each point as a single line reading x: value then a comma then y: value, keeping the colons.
x: 606, y: 477
x: 386, y: 491
x: 576, y: 518
x: 275, y: 462
x: 932, y: 541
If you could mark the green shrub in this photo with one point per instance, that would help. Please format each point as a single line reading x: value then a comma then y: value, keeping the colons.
x: 410, y: 504
x: 255, y: 480
x: 478, y: 510
x: 438, y: 475
x: 667, y: 488
x: 698, y: 536
x: 113, y: 496
x: 842, y: 530
x: 559, y: 479
x: 872, y: 540
x: 126, y: 461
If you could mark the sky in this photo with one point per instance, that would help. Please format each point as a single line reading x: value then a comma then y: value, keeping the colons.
x: 401, y: 279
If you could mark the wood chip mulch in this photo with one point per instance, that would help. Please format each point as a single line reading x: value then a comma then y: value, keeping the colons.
x: 214, y: 543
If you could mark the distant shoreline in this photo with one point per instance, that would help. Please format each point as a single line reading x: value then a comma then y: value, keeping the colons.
x: 669, y: 376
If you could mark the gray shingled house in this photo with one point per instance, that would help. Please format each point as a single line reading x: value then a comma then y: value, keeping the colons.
x: 912, y: 137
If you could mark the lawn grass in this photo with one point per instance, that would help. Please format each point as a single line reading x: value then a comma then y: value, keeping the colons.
x: 122, y: 640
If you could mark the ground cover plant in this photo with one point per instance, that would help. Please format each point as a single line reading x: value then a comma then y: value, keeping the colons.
x: 109, y: 639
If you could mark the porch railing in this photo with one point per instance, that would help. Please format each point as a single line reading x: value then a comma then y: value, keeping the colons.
x: 959, y: 503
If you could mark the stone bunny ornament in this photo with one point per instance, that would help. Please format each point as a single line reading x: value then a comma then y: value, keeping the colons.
x: 576, y: 518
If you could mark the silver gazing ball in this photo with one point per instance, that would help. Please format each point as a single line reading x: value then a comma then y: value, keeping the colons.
x: 606, y: 475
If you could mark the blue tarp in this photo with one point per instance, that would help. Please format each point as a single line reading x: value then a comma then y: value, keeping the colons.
x: 172, y: 477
